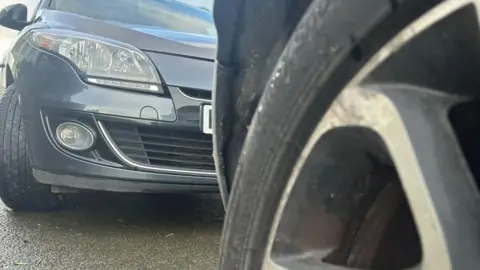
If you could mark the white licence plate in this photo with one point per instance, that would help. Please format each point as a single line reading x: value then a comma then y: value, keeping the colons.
x: 207, y: 119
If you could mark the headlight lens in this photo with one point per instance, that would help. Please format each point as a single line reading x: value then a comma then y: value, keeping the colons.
x: 101, y: 61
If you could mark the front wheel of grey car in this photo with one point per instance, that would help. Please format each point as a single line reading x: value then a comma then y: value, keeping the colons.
x: 18, y: 188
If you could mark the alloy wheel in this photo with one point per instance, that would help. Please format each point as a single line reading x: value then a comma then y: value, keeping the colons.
x: 390, y: 151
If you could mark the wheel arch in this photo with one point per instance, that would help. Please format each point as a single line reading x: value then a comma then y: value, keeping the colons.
x: 251, y: 36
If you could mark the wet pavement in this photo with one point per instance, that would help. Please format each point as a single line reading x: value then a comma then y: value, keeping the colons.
x: 115, y: 231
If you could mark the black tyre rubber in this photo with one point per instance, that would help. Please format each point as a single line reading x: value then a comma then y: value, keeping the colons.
x: 315, y: 65
x: 18, y: 188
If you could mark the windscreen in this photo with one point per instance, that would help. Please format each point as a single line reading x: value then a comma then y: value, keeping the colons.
x: 190, y: 16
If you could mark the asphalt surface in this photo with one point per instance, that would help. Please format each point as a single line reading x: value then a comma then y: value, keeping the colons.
x: 115, y: 231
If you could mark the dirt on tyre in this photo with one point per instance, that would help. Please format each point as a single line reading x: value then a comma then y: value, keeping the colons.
x: 18, y: 188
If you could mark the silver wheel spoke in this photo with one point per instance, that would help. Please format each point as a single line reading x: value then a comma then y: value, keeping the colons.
x: 269, y: 264
x: 293, y: 263
x: 438, y: 184
x: 413, y: 124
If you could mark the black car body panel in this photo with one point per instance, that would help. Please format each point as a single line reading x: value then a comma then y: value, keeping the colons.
x: 52, y: 91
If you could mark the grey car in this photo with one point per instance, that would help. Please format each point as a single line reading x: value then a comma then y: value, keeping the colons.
x: 106, y: 95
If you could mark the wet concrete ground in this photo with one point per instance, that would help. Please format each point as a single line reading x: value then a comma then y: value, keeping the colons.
x: 115, y: 231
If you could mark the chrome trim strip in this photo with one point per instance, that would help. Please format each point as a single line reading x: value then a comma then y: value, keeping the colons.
x: 132, y: 163
x: 152, y: 87
x: 189, y: 97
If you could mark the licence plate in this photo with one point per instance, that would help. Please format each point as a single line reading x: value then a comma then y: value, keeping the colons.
x: 207, y: 119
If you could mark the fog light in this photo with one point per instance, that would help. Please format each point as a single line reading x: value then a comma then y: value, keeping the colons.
x: 74, y: 136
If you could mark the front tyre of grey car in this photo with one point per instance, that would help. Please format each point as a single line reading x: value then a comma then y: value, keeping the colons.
x: 361, y: 152
x: 18, y: 188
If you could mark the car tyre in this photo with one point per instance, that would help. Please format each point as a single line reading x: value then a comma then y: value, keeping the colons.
x: 18, y: 188
x: 300, y: 92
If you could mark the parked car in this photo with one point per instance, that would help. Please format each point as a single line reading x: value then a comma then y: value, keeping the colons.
x: 106, y: 95
x: 346, y: 134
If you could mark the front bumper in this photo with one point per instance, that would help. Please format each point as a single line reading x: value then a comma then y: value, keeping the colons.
x: 119, y: 185
x: 51, y: 92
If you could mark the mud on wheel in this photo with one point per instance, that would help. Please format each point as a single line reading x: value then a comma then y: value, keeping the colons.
x: 362, y: 152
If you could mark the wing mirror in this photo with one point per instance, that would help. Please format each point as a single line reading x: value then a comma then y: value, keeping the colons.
x: 14, y: 17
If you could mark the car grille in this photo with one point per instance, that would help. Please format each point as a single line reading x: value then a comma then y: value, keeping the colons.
x: 162, y: 147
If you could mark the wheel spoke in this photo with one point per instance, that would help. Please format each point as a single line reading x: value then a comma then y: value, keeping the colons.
x: 414, y: 127
x: 297, y: 263
x: 413, y: 123
x: 441, y: 191
x: 269, y: 264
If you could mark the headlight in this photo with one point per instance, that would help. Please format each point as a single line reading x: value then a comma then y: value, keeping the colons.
x: 99, y: 60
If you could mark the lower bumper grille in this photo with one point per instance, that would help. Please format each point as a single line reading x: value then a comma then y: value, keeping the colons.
x: 161, y: 147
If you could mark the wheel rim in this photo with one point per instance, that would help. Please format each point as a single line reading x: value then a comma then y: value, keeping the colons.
x: 411, y: 124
